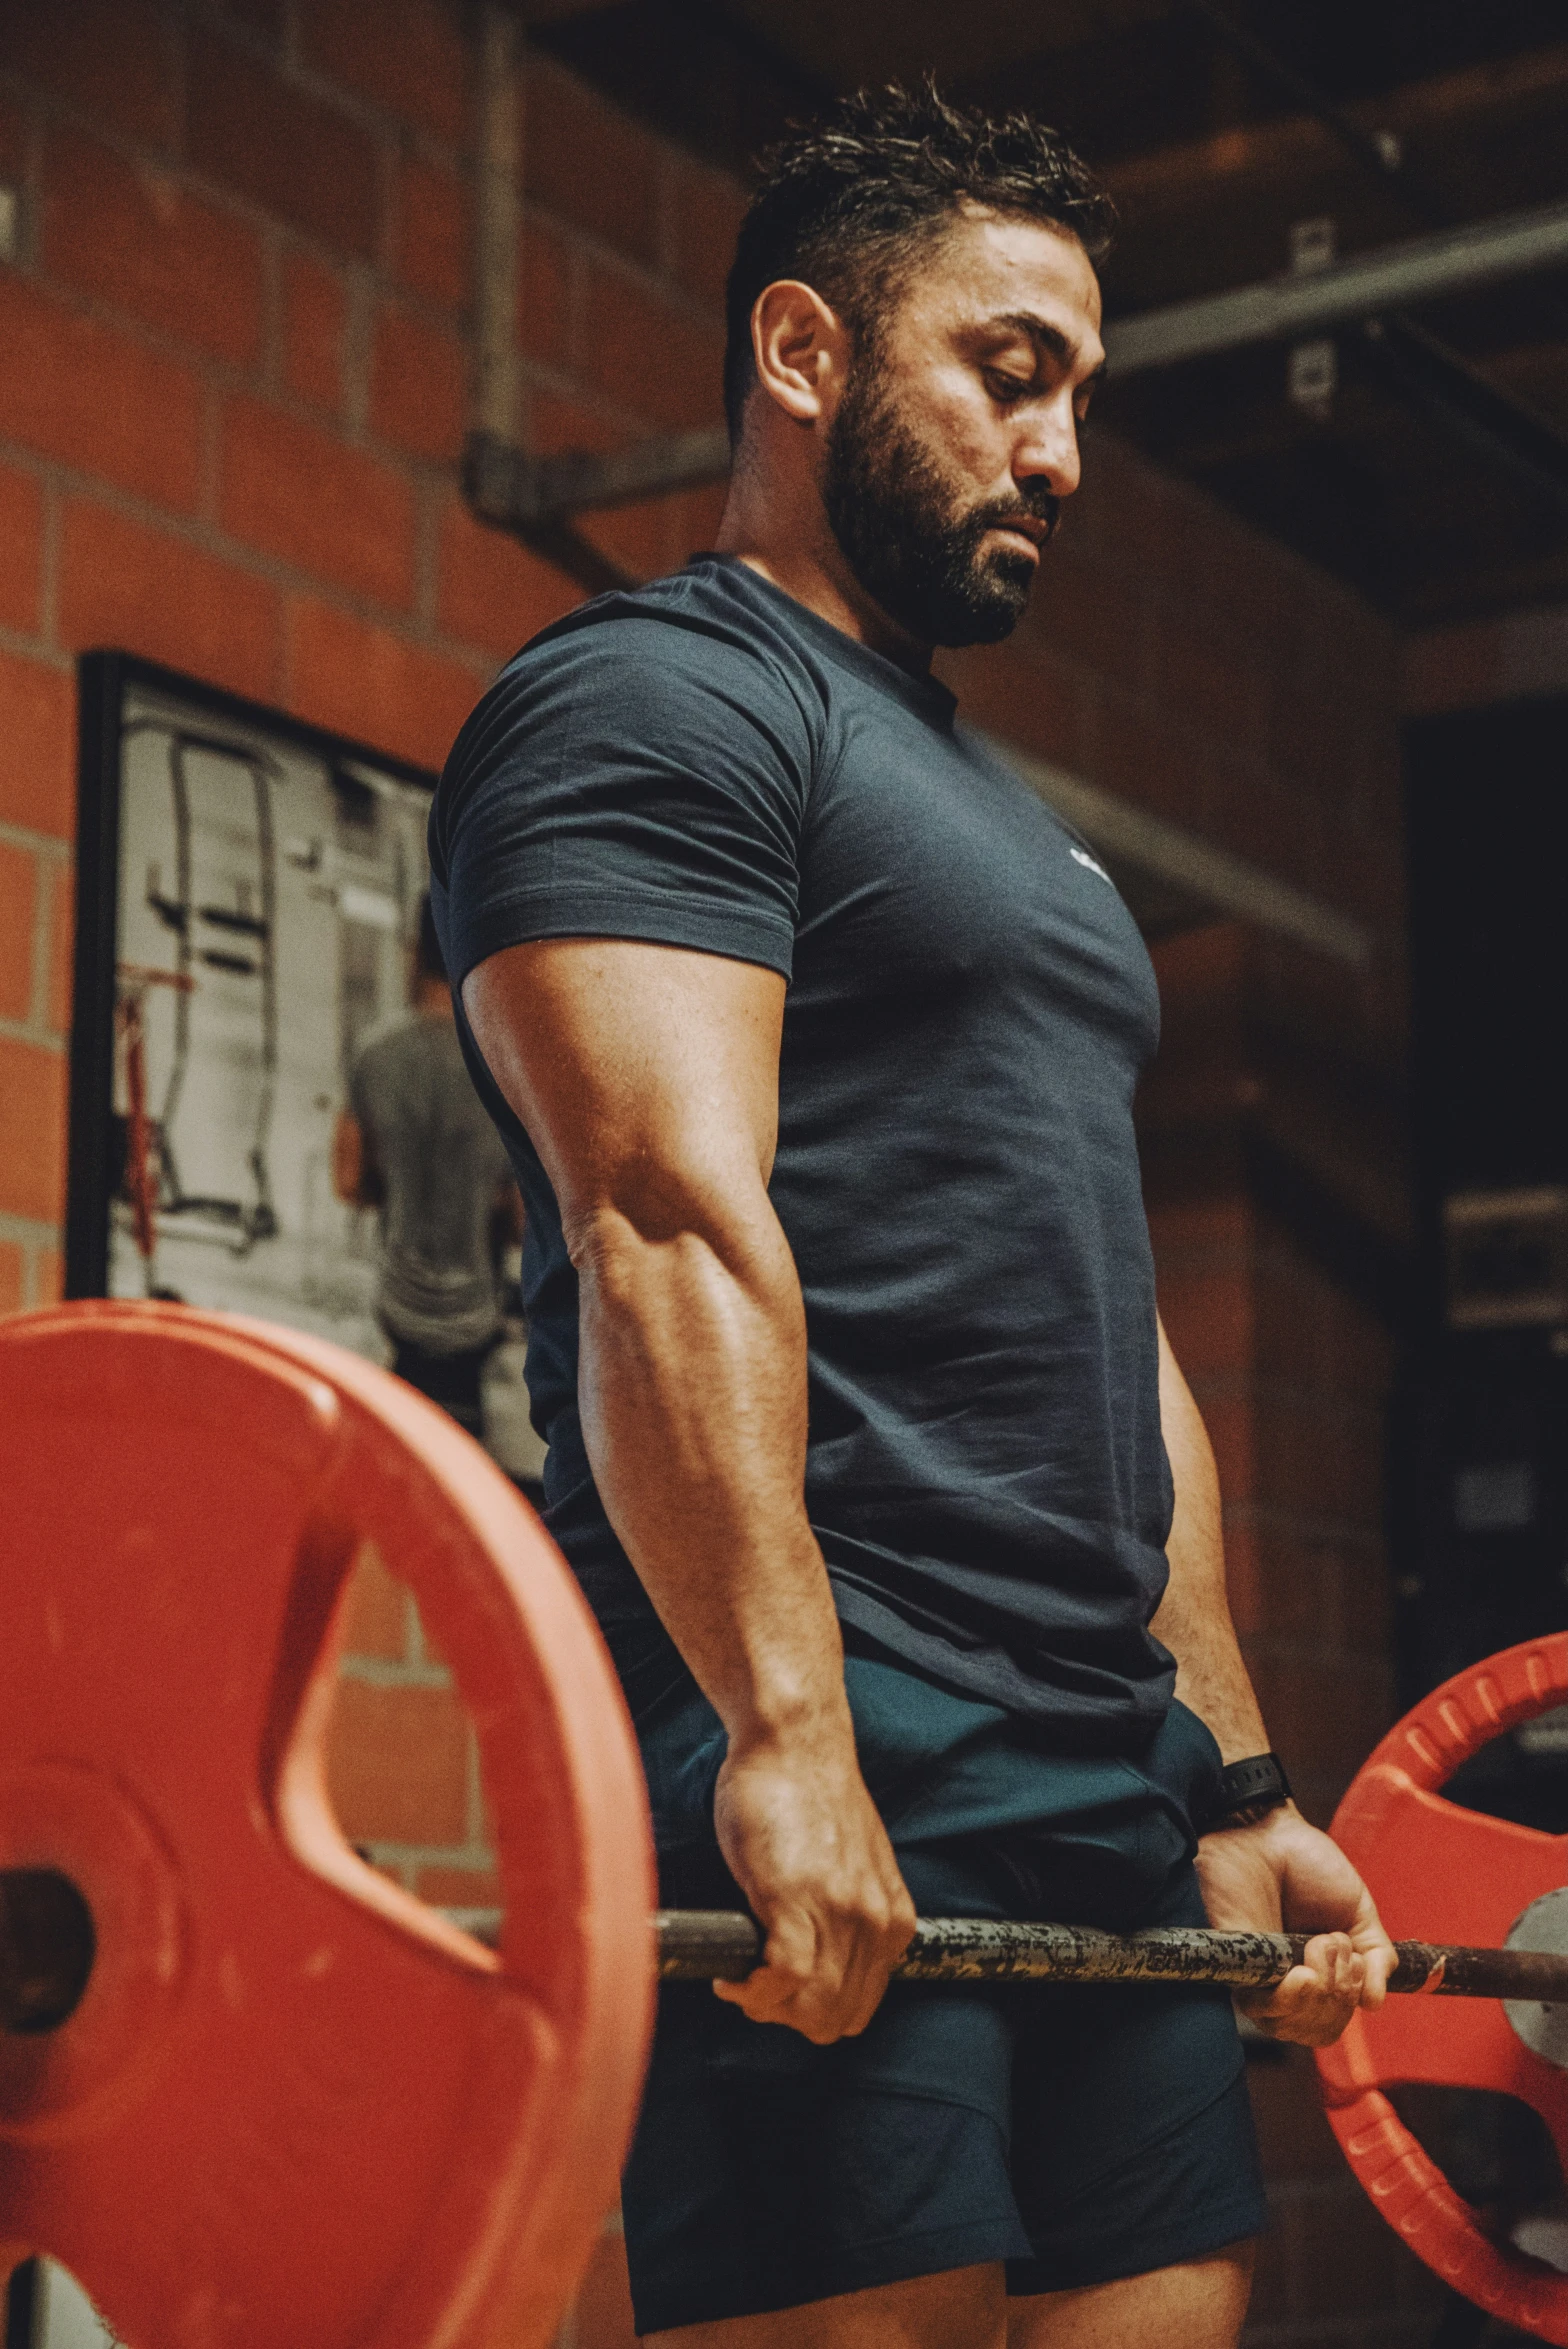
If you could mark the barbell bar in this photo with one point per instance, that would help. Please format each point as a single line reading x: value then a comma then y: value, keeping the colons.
x: 47, y: 1940
x: 702, y: 1945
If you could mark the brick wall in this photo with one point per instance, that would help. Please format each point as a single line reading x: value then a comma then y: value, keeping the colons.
x: 233, y: 360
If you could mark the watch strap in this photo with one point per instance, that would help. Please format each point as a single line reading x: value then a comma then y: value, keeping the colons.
x: 1249, y: 1790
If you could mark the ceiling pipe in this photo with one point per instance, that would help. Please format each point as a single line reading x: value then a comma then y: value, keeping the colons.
x: 1284, y: 309
x: 501, y: 481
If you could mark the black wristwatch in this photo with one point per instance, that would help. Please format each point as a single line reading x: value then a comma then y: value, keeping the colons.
x: 1249, y: 1790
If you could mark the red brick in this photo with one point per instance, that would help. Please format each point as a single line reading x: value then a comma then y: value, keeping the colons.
x: 1208, y: 1319
x: 1092, y: 615
x: 405, y: 55
x: 21, y: 549
x: 111, y: 58
x: 697, y: 515
x: 588, y: 163
x: 493, y: 592
x: 418, y: 386
x: 266, y: 17
x: 1228, y: 1417
x: 433, y: 232
x: 126, y: 584
x: 32, y: 1131
x: 1183, y: 1224
x: 602, y: 2317
x: 546, y: 284
x: 397, y: 1764
x: 459, y: 1888
x: 315, y: 316
x: 376, y: 1623
x: 292, y: 154
x: 1044, y: 705
x: 705, y: 212
x: 10, y: 1277
x: 652, y: 359
x: 37, y: 747
x: 98, y: 399
x: 62, y: 946
x: 18, y: 919
x: 146, y: 244
x: 298, y: 493
x: 1143, y: 757
x: 13, y: 141
x: 365, y: 681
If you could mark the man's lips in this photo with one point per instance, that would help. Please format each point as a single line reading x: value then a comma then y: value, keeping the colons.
x: 1032, y: 534
x: 1034, y: 527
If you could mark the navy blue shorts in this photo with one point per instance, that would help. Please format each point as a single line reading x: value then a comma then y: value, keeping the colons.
x: 1078, y: 2135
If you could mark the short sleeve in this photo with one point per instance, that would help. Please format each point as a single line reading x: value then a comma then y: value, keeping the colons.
x: 629, y: 776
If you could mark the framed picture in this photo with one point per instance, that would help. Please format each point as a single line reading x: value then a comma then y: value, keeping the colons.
x: 248, y: 893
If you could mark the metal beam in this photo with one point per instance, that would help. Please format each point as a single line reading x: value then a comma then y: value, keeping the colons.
x: 1192, y: 878
x: 1287, y: 309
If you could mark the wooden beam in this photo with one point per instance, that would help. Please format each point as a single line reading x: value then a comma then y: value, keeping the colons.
x: 1276, y: 153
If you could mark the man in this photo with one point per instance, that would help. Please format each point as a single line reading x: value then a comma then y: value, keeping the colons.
x: 416, y: 1142
x: 813, y: 1035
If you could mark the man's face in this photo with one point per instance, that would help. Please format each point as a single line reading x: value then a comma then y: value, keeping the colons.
x: 956, y: 437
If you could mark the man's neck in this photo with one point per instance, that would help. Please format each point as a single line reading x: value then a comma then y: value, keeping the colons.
x: 799, y: 555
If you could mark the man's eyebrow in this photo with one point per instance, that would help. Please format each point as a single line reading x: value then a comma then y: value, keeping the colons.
x: 1051, y: 338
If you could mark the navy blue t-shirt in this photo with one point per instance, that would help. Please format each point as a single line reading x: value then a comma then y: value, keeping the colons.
x: 704, y: 763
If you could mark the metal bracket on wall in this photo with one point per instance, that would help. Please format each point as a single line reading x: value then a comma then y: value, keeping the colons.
x: 535, y: 498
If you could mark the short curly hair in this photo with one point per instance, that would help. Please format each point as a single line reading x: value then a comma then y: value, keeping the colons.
x: 847, y: 200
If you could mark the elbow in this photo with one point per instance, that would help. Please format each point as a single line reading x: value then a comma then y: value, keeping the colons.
x: 615, y: 1242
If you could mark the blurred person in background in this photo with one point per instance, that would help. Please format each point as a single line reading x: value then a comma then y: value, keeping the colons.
x: 416, y: 1143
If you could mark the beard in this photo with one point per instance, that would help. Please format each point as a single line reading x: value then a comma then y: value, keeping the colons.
x: 907, y: 538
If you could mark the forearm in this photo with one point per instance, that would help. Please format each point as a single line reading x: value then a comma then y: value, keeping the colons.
x: 1194, y: 1619
x: 692, y: 1386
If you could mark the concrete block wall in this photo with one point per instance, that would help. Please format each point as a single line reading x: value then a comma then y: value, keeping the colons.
x: 234, y: 350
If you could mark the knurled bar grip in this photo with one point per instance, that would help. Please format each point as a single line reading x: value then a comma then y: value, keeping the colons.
x: 705, y: 1945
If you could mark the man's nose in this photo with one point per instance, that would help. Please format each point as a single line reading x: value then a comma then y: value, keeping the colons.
x: 1048, y: 448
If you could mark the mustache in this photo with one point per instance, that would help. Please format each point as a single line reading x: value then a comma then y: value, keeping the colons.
x: 1034, y: 504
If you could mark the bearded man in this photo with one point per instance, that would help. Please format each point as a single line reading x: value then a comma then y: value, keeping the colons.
x: 813, y: 1036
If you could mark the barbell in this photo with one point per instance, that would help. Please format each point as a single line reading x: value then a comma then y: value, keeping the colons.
x: 250, y: 2090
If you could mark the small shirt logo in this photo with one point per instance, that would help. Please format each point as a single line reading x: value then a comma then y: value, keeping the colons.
x: 1081, y: 856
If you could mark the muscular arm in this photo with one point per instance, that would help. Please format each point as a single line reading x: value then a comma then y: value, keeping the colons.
x: 1282, y: 1870
x: 647, y: 1078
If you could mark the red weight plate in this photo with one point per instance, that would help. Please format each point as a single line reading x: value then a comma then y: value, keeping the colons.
x: 1441, y: 1873
x: 294, y: 2104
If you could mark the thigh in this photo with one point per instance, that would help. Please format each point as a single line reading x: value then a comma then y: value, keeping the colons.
x: 963, y: 2308
x: 767, y: 2174
x: 1133, y: 2145
x: 1201, y: 2304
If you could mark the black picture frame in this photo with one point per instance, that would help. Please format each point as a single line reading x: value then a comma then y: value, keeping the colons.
x: 111, y: 683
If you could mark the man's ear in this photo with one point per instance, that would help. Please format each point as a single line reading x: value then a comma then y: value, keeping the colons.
x: 801, y: 349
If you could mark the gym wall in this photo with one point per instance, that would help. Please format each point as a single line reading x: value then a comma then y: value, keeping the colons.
x: 233, y: 366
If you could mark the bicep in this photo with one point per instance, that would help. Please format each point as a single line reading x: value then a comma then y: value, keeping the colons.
x: 646, y: 1075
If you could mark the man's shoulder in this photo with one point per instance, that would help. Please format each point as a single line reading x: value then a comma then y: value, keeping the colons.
x: 697, y: 670
x: 699, y: 635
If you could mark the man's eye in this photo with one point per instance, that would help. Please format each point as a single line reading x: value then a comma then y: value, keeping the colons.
x: 1007, y: 389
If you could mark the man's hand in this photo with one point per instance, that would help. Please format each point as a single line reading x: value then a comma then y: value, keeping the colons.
x: 803, y: 1840
x: 1283, y: 1873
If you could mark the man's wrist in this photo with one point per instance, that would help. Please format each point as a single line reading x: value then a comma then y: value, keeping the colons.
x: 1249, y: 1790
